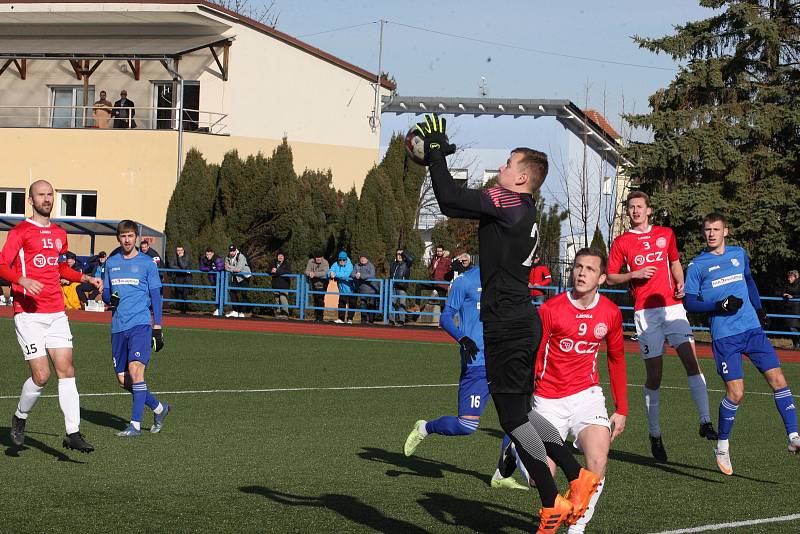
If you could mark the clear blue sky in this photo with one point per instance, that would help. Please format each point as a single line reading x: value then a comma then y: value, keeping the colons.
x: 430, y: 64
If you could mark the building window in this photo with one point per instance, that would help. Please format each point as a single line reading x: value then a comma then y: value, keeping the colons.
x: 77, y: 204
x: 67, y: 109
x: 12, y: 202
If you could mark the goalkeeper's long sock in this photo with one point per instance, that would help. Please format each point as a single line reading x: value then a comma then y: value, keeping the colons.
x: 452, y: 426
x: 727, y: 416
x: 785, y: 405
x: 139, y: 396
x: 652, y: 401
x: 699, y: 392
x: 27, y: 398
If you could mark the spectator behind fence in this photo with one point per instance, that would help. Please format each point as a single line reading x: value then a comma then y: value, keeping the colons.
x: 124, y: 111
x: 70, y: 289
x: 400, y: 270
x: 239, y: 268
x: 317, y: 273
x: 539, y: 276
x: 102, y: 111
x: 790, y: 292
x: 438, y: 270
x: 342, y: 272
x: 181, y: 261
x: 278, y: 269
x: 363, y: 271
x: 212, y: 264
x: 95, y: 266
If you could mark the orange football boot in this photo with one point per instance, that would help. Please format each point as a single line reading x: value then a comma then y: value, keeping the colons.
x: 580, y: 493
x: 551, y: 518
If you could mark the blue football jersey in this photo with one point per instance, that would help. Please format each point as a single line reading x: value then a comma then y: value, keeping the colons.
x: 464, y: 300
x: 712, y: 277
x: 132, y: 280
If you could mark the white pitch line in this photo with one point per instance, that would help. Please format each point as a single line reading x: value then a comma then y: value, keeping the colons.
x: 720, y: 526
x: 270, y: 390
x: 336, y: 388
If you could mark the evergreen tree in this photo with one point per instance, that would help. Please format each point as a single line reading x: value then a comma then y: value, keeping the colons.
x: 598, y: 241
x: 192, y: 204
x: 348, y: 219
x: 726, y: 131
x: 376, y: 223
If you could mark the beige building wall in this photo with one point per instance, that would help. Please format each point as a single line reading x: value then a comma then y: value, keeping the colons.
x: 134, y: 171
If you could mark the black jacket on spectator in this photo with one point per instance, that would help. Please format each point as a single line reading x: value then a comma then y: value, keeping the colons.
x: 793, y: 306
x: 401, y: 270
x: 281, y: 268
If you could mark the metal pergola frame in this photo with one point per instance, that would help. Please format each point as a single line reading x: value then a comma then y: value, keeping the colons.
x: 565, y: 111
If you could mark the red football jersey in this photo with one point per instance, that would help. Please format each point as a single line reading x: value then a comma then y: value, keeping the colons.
x: 571, y: 338
x: 635, y: 250
x: 32, y: 251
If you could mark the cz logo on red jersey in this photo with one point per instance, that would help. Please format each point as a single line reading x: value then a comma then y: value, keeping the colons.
x: 581, y: 347
x: 40, y: 260
x: 652, y: 257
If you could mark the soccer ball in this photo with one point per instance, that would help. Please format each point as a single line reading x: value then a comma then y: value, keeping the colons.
x: 415, y: 147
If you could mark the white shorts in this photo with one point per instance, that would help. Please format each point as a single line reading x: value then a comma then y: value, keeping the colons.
x: 654, y: 325
x: 572, y: 414
x: 37, y: 332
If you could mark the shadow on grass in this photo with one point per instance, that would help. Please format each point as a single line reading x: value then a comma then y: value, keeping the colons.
x: 476, y: 516
x: 12, y: 451
x: 417, y: 466
x: 104, y: 419
x: 346, y: 506
x: 670, y: 467
x: 494, y: 432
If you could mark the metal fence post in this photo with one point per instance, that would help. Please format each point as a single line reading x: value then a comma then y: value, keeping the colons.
x: 301, y: 296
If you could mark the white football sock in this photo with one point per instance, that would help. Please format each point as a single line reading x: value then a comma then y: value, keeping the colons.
x: 158, y: 409
x: 422, y: 430
x: 723, y: 444
x: 652, y: 400
x: 699, y: 392
x: 580, y: 526
x: 70, y: 404
x: 27, y: 399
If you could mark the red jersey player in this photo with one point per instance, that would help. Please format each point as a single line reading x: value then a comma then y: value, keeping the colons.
x: 30, y: 261
x: 653, y: 270
x: 568, y: 392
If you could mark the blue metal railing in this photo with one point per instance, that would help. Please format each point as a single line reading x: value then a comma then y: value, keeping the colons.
x: 387, y: 304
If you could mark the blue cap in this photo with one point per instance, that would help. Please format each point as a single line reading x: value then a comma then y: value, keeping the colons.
x: 343, y: 255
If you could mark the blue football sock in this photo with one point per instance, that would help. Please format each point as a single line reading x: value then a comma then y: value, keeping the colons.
x: 151, y: 401
x: 727, y: 416
x: 785, y: 405
x: 139, y: 396
x: 452, y: 426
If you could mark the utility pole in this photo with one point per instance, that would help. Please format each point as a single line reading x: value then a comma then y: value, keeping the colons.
x: 375, y: 118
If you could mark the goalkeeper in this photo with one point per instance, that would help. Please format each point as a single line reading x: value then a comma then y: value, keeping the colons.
x: 132, y: 287
x: 719, y: 283
x: 463, y: 300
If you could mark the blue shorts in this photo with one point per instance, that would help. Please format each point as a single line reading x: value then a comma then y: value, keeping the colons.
x: 754, y: 343
x: 473, y: 391
x: 131, y: 345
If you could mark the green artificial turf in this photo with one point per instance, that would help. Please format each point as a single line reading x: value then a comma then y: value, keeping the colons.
x: 292, y: 459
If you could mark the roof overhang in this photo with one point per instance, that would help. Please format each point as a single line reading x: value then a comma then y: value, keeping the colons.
x: 107, y: 34
x: 564, y: 111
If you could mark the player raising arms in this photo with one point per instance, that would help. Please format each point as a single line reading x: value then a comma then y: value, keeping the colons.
x: 718, y: 282
x: 30, y: 260
x: 654, y: 272
x: 463, y: 300
x: 508, y: 241
x: 132, y: 285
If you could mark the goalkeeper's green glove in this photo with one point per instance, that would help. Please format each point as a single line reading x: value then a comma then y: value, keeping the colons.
x: 158, y: 339
x: 434, y: 136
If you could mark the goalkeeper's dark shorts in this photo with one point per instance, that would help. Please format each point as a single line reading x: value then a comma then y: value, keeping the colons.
x: 510, y: 352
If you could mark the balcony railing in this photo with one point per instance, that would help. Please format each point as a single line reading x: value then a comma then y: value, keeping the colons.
x: 146, y: 118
